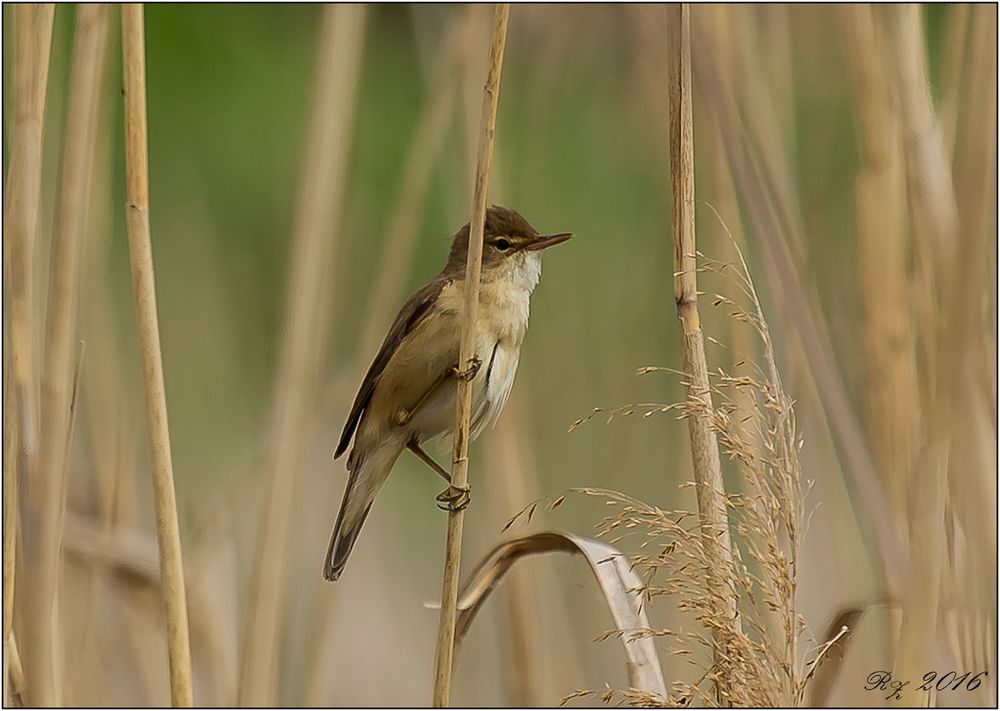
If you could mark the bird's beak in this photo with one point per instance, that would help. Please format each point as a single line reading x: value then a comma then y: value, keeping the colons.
x: 544, y: 241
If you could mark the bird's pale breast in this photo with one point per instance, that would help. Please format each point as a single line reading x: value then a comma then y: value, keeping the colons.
x: 501, y: 323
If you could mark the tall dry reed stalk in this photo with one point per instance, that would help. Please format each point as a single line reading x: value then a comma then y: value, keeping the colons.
x: 952, y: 206
x: 883, y: 260
x: 444, y: 655
x: 704, y: 445
x: 320, y: 202
x: 86, y: 75
x: 33, y: 38
x: 144, y: 291
x: 9, y: 522
x: 771, y: 223
x: 759, y: 661
x: 508, y: 455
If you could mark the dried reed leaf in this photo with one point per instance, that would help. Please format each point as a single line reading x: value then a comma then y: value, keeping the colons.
x: 618, y: 582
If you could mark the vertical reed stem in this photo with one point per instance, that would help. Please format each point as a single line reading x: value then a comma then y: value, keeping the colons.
x: 9, y: 522
x: 33, y: 39
x: 144, y: 291
x: 460, y: 450
x: 81, y: 119
x: 704, y: 447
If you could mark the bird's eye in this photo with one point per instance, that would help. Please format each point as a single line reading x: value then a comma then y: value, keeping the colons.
x: 502, y: 244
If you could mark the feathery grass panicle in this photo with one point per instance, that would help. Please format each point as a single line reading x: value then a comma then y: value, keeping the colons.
x: 760, y: 662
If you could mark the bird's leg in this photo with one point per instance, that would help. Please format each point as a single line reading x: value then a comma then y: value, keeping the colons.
x: 451, y: 499
x: 403, y: 415
x: 414, y: 447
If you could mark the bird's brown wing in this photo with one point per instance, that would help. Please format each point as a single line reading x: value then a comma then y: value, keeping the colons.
x: 409, y: 316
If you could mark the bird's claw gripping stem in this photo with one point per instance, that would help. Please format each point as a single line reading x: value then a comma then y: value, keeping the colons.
x: 454, y: 498
x: 469, y: 373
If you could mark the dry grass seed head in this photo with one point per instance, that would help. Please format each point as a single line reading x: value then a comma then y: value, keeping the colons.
x: 767, y: 521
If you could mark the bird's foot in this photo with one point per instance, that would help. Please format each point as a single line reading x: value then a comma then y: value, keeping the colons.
x: 454, y: 498
x: 469, y: 373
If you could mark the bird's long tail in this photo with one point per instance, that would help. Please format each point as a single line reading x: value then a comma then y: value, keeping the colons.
x: 368, y: 473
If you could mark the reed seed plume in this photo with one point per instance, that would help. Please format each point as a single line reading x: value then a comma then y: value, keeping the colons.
x: 769, y: 658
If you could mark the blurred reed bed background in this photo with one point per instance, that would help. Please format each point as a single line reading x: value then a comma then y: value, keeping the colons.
x: 307, y: 167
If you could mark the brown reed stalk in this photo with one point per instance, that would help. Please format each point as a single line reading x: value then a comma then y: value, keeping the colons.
x: 704, y: 446
x: 507, y: 449
x: 319, y: 206
x: 460, y: 451
x: 883, y: 250
x: 771, y: 222
x: 84, y: 91
x: 18, y: 684
x: 509, y: 463
x: 953, y: 459
x: 32, y: 38
x: 9, y: 520
x: 144, y: 290
x: 969, y: 585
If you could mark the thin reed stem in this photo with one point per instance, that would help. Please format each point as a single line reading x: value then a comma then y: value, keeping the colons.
x: 771, y: 224
x: 9, y: 519
x: 460, y: 450
x: 84, y: 93
x: 144, y: 290
x: 883, y: 248
x: 321, y: 198
x: 510, y: 464
x: 33, y: 39
x: 704, y: 446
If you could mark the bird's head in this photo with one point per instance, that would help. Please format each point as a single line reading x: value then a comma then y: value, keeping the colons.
x: 510, y: 245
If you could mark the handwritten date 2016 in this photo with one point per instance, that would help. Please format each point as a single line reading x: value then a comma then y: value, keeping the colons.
x: 949, y: 681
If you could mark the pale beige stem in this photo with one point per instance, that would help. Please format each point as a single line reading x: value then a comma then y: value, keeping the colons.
x: 771, y: 223
x: 144, y: 291
x: 883, y: 257
x: 704, y: 446
x: 18, y: 683
x: 9, y: 517
x: 460, y: 450
x: 32, y: 38
x: 510, y: 474
x: 307, y: 323
x: 84, y: 92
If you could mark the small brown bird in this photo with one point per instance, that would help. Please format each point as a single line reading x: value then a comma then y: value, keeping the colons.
x: 408, y: 394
